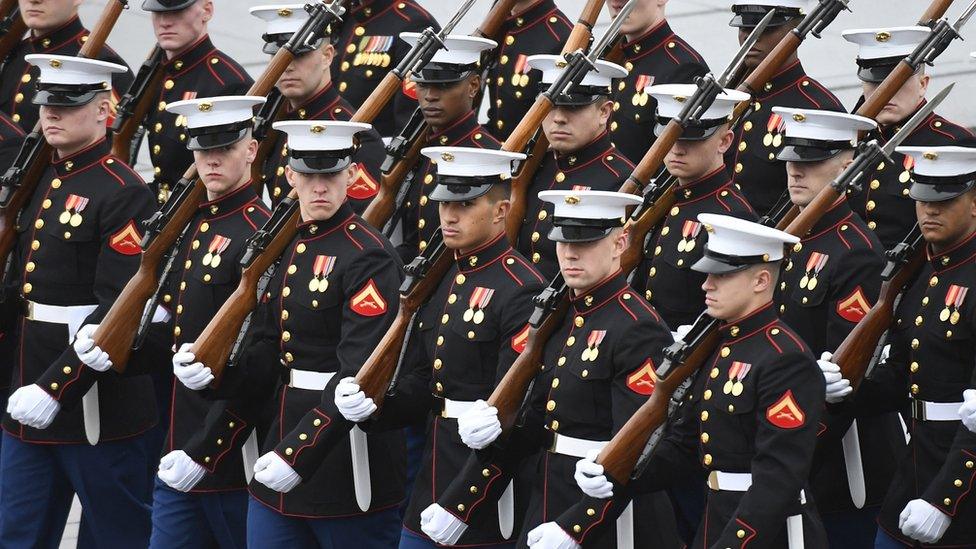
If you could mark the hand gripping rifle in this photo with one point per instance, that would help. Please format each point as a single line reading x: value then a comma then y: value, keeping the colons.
x: 116, y: 333
x: 134, y: 107
x: 17, y: 185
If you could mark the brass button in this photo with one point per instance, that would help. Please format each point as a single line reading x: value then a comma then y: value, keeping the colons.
x: 725, y: 352
x: 707, y: 459
x: 707, y: 395
x: 551, y: 405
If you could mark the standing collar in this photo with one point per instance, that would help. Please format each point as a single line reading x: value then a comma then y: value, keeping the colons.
x: 230, y: 202
x: 483, y: 255
x: 704, y: 186
x: 75, y: 163
x: 600, y: 294
x: 313, y: 108
x: 310, y: 229
x: 650, y: 39
x: 953, y: 257
x: 594, y: 149
x: 364, y: 9
x: 190, y: 56
x: 58, y: 37
x: 786, y: 78
x: 530, y: 15
x: 750, y: 323
x: 887, y: 132
x: 458, y: 130
x: 838, y: 212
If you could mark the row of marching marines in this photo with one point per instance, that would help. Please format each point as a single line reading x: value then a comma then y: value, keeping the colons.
x: 648, y: 303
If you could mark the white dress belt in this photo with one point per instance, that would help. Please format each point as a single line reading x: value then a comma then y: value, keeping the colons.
x: 454, y: 409
x: 575, y: 447
x: 935, y: 411
x: 309, y: 380
x: 71, y: 315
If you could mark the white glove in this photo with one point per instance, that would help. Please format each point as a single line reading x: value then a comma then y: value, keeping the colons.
x: 967, y: 412
x: 549, y: 535
x: 272, y: 471
x: 33, y: 406
x: 479, y: 425
x: 885, y: 351
x: 88, y: 352
x: 922, y: 521
x: 191, y: 373
x: 179, y: 471
x: 681, y: 332
x: 441, y: 526
x: 837, y: 387
x: 590, y: 478
x: 352, y: 402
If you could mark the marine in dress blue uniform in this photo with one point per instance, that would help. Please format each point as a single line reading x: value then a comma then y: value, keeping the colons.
x: 311, y: 95
x: 759, y: 137
x: 199, y: 502
x: 580, y: 157
x: 929, y: 502
x: 883, y: 200
x: 829, y: 283
x: 72, y: 430
x: 194, y: 70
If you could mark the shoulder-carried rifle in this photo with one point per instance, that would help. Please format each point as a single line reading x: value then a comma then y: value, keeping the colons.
x: 267, y: 115
x: 22, y: 178
x: 134, y: 107
x: 12, y: 27
x: 116, y: 332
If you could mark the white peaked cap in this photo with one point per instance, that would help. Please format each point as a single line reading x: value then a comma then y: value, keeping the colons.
x: 590, y: 204
x: 216, y: 111
x: 795, y: 4
x: 552, y: 66
x: 472, y: 161
x: 281, y: 18
x: 671, y: 100
x: 823, y: 125
x: 732, y: 236
x: 949, y: 161
x: 73, y: 71
x: 458, y: 48
x: 321, y: 135
x: 883, y: 43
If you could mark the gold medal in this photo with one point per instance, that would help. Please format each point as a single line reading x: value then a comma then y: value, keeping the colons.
x: 904, y: 177
x: 386, y: 60
x: 727, y: 388
x: 804, y: 281
x: 468, y: 315
x: 777, y: 140
x: 75, y: 220
x: 516, y: 79
x: 944, y: 315
x: 643, y: 99
x: 690, y: 246
x: 65, y: 217
x: 682, y: 245
x: 207, y: 259
x: 323, y: 285
x: 313, y: 285
x: 737, y: 388
x: 595, y: 352
x: 954, y: 317
x: 524, y: 81
x: 635, y: 100
x: 768, y: 139
x: 586, y: 355
x: 215, y: 261
x: 812, y: 284
x: 479, y: 316
x: 356, y: 60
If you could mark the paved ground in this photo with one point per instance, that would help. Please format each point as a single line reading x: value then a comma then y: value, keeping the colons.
x: 704, y: 23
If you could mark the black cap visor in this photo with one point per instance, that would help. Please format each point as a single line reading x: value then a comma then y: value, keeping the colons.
x: 695, y: 131
x: 458, y: 189
x: 579, y: 96
x: 322, y: 162
x: 876, y: 70
x: 810, y: 150
x: 62, y: 95
x: 748, y: 16
x: 438, y: 73
x: 570, y: 229
x: 718, y: 263
x: 215, y: 137
x: 166, y: 5
x: 940, y: 189
x: 274, y: 42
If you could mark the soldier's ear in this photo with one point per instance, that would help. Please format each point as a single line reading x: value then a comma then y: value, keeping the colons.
x: 290, y: 176
x: 726, y: 140
x: 252, y: 150
x: 606, y: 109
x: 208, y: 10
x: 328, y: 53
x: 474, y: 86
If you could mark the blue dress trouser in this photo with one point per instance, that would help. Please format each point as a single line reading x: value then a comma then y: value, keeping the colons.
x: 269, y: 529
x: 198, y: 520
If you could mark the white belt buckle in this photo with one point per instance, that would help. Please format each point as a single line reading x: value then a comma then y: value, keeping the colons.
x: 309, y: 380
x: 454, y: 409
x: 575, y: 447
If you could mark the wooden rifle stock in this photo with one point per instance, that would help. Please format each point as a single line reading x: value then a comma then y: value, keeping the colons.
x: 383, y: 205
x: 522, y: 182
x: 267, y: 145
x: 214, y: 345
x: 20, y: 195
x: 15, y: 27
x: 649, y: 217
x: 376, y: 373
x: 122, y: 142
x: 856, y: 351
x: 620, y: 456
x: 500, y: 11
x: 935, y: 11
